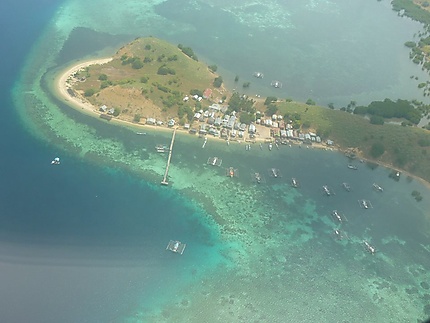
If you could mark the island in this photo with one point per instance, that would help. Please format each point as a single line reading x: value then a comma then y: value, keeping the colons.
x: 152, y: 83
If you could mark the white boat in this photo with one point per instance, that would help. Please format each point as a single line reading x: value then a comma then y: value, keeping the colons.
x: 257, y: 177
x: 214, y: 161
x: 204, y: 143
x: 161, y: 148
x: 276, y: 84
x: 55, y: 161
x: 326, y: 190
x: 176, y: 246
x: 338, y: 216
x: 231, y: 172
x: 365, y: 204
x: 294, y: 183
x: 140, y: 133
x: 258, y: 75
x: 368, y: 247
x: 339, y: 235
x: 353, y: 167
x: 274, y: 172
x: 377, y: 187
x: 270, y: 146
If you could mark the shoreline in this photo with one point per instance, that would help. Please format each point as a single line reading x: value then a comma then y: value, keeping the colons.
x: 61, y: 87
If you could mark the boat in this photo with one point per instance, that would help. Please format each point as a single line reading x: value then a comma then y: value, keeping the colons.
x: 346, y: 186
x: 274, y: 172
x: 140, y: 133
x: 339, y: 235
x: 353, y: 167
x: 161, y: 148
x: 55, y: 161
x: 214, y: 161
x: 326, y: 190
x: 377, y: 187
x: 257, y: 177
x: 176, y: 246
x: 294, y: 183
x: 338, y: 216
x: 247, y: 147
x: 258, y: 75
x: 204, y: 143
x: 270, y: 146
x: 368, y: 247
x: 365, y: 204
x: 276, y: 84
x: 231, y: 172
x: 261, y: 146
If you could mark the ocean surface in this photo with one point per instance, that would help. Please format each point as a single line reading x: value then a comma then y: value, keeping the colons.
x: 84, y: 241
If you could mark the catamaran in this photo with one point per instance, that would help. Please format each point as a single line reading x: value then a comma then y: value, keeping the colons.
x: 176, y: 246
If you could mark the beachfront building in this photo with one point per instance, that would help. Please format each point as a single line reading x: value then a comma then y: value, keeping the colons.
x: 151, y: 121
x: 103, y: 108
x: 252, y: 128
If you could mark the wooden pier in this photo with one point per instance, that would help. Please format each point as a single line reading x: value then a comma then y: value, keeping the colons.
x: 166, y: 173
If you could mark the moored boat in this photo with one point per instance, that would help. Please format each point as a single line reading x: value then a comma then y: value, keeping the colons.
x: 353, y: 167
x: 377, y: 187
x: 294, y: 183
x: 176, y: 246
x: 161, y: 148
x: 55, y: 161
x: 326, y: 190
x: 368, y: 247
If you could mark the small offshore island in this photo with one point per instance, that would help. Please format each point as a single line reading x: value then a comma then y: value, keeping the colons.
x: 150, y: 82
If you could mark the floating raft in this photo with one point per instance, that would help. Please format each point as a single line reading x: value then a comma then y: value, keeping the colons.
x: 176, y: 246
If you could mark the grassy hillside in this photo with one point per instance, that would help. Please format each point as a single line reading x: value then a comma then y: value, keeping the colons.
x: 405, y: 148
x: 148, y: 74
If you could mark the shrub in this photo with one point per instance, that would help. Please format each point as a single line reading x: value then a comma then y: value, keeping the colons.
x: 218, y: 81
x: 103, y: 77
x: 89, y: 92
x: 377, y: 150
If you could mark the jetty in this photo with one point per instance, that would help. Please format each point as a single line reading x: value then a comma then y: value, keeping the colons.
x: 166, y: 173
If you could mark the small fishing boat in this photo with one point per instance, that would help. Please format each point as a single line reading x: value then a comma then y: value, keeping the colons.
x: 204, y: 143
x: 378, y: 188
x: 261, y: 146
x: 326, y: 190
x: 176, y: 246
x: 274, y: 172
x: 276, y: 84
x: 365, y: 204
x: 294, y: 183
x: 339, y: 234
x: 257, y: 177
x: 214, y: 161
x: 338, y: 217
x: 161, y: 148
x: 353, y: 167
x: 140, y: 133
x: 270, y: 146
x: 231, y: 172
x: 346, y: 186
x: 258, y: 75
x: 369, y: 248
x: 55, y: 161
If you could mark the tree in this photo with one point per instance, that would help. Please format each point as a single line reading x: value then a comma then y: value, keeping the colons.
x: 103, y: 77
x: 310, y: 102
x: 246, y: 84
x: 137, y: 118
x: 89, y: 92
x: 270, y: 99
x: 218, y: 81
x: 377, y: 150
x: 213, y: 68
x: 236, y: 79
x: 271, y: 109
x: 137, y: 64
x: 331, y: 106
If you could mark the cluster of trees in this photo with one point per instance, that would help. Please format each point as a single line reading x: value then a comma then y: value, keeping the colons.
x: 135, y: 62
x: 390, y: 109
x: 165, y: 70
x: 188, y: 51
x: 241, y: 103
x: 213, y: 68
x: 218, y: 81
